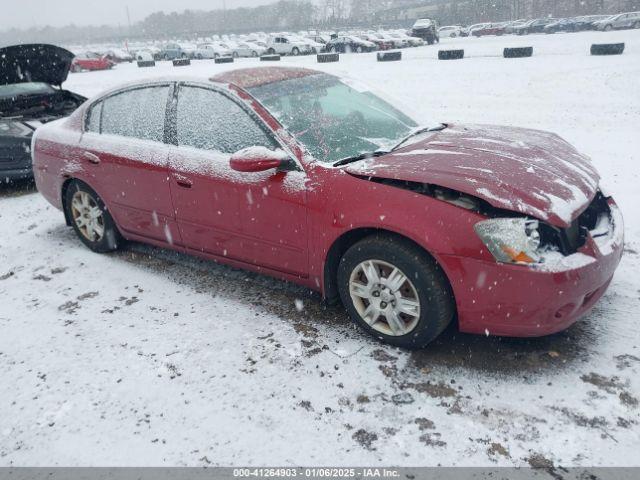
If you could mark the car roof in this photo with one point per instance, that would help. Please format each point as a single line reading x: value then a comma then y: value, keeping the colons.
x: 255, y: 77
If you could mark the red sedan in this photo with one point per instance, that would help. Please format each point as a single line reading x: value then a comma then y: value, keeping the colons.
x: 91, y: 61
x: 309, y: 178
x: 490, y: 29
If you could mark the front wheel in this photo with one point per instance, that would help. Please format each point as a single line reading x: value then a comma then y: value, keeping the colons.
x: 90, y: 218
x: 236, y: 54
x: 395, y: 291
x: 295, y: 52
x: 608, y: 28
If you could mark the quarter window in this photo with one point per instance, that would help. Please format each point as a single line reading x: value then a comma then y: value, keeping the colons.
x: 138, y: 113
x: 93, y: 120
x: 209, y: 120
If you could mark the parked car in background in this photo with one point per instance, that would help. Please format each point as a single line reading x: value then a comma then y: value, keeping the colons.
x: 145, y: 55
x: 320, y: 38
x: 315, y: 46
x: 172, y: 51
x: 587, y: 22
x: 244, y: 49
x: 334, y: 188
x: 490, y: 29
x: 396, y: 42
x: 452, y: 31
x: 348, y: 44
x: 512, y: 26
x: 287, y: 46
x: 533, y: 26
x: 561, y: 25
x: 619, y: 22
x: 251, y: 49
x: 118, y: 55
x: 90, y: 61
x: 474, y: 27
x: 426, y: 29
x: 381, y: 43
x: 31, y: 94
x: 210, y: 50
x: 410, y: 40
x: 189, y: 49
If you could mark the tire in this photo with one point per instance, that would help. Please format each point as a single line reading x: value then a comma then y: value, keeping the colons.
x: 608, y: 28
x: 236, y: 54
x: 216, y: 55
x: 424, y: 283
x: 359, y: 49
x: 199, y: 56
x: 295, y: 51
x: 254, y: 53
x: 636, y: 25
x: 271, y: 51
x: 453, y: 35
x: 110, y: 239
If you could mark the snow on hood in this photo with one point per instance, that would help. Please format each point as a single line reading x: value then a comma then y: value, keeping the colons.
x: 37, y: 62
x: 528, y: 171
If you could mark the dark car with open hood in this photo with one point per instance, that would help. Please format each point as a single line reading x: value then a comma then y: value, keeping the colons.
x: 30, y: 95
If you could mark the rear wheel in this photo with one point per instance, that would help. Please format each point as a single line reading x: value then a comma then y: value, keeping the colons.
x: 271, y: 51
x: 608, y: 28
x: 295, y: 51
x: 254, y: 53
x: 395, y: 291
x: 90, y: 218
x: 236, y: 54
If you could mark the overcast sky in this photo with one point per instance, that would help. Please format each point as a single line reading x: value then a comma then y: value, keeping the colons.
x: 29, y: 13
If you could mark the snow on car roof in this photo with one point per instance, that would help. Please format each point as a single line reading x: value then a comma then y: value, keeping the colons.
x: 254, y: 77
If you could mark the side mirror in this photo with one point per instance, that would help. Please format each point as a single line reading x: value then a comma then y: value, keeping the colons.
x: 260, y: 159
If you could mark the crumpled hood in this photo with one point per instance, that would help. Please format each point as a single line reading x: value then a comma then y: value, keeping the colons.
x: 37, y: 62
x: 532, y: 172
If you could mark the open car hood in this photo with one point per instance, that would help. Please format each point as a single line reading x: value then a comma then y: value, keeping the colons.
x: 35, y: 62
x: 528, y: 171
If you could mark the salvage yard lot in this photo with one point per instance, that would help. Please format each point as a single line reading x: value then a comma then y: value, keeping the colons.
x: 147, y: 357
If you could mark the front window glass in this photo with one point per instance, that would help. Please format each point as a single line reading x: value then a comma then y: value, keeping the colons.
x: 211, y: 121
x: 332, y: 119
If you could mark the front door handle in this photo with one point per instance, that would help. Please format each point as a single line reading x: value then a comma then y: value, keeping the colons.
x: 183, y: 181
x: 91, y: 157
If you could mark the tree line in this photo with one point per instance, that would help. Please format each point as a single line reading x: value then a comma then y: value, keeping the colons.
x: 293, y: 15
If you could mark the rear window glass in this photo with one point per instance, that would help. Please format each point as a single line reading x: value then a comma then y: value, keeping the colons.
x: 138, y: 113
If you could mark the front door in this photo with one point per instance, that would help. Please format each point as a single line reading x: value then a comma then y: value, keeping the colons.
x: 258, y: 218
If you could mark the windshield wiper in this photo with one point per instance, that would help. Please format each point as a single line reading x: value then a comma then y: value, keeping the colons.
x: 362, y: 156
x: 418, y: 131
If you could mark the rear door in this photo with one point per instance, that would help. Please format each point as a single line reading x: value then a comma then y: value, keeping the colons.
x: 258, y: 218
x: 124, y: 152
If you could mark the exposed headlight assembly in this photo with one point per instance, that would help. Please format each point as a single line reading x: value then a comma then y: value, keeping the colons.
x: 511, y: 240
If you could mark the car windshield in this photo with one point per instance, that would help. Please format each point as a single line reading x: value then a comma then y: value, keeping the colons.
x: 332, y: 119
x: 18, y: 89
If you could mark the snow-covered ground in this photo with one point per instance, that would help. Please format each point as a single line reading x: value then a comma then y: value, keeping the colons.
x: 147, y: 357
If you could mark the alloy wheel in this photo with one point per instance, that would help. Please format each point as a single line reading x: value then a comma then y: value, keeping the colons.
x: 384, y: 297
x: 87, y: 216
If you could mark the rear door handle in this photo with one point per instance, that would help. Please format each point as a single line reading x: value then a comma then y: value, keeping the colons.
x: 183, y: 181
x: 91, y: 157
